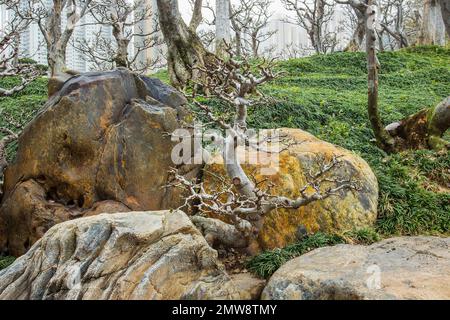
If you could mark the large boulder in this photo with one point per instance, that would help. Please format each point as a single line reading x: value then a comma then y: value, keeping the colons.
x: 398, y: 268
x: 134, y: 255
x: 103, y: 136
x: 350, y: 209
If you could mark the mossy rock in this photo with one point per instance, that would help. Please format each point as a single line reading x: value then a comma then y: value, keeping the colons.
x: 350, y: 209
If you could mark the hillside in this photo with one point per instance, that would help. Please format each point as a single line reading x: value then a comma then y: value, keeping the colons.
x: 326, y: 95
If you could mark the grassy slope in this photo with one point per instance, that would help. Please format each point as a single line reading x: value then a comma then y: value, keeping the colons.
x: 21, y: 107
x: 326, y: 95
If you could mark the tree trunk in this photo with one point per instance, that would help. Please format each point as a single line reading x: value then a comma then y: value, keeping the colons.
x: 384, y: 140
x: 197, y: 15
x: 433, y: 28
x: 223, y: 30
x: 57, y: 39
x: 255, y: 45
x: 238, y: 41
x: 238, y: 35
x: 56, y: 60
x: 185, y: 51
x: 121, y: 58
x: 55, y: 56
x: 445, y: 11
x: 318, y: 24
x: 358, y: 35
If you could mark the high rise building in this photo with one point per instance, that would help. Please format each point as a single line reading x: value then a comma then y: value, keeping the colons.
x: 290, y: 37
x: 286, y: 37
x: 32, y: 44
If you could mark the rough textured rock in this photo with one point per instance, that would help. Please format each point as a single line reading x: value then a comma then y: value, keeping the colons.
x: 102, y: 137
x: 348, y: 210
x: 424, y: 129
x: 134, y: 255
x: 56, y: 82
x: 398, y: 268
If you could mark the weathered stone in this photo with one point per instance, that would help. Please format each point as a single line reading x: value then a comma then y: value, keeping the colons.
x: 348, y: 210
x: 398, y: 268
x: 56, y: 82
x: 135, y: 255
x: 102, y: 137
x: 164, y: 93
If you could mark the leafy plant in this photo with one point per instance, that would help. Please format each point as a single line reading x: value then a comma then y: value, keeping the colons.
x: 5, y: 262
x: 265, y: 264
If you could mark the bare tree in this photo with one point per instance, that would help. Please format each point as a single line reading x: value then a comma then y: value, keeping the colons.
x: 314, y: 16
x: 50, y: 22
x: 185, y: 50
x: 250, y: 20
x: 400, y: 23
x: 359, y: 9
x: 131, y: 22
x: 10, y: 64
x: 384, y: 140
x: 239, y: 199
x: 392, y: 22
x: 421, y: 130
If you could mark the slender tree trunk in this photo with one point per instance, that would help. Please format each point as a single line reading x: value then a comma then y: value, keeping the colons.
x: 237, y: 35
x: 318, y: 24
x: 223, y: 29
x: 121, y: 58
x: 185, y: 50
x: 358, y: 35
x: 238, y: 41
x: 380, y: 41
x: 255, y: 45
x: 56, y: 55
x: 384, y: 140
x: 197, y: 15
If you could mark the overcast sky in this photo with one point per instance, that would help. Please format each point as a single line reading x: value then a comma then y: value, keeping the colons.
x: 185, y: 8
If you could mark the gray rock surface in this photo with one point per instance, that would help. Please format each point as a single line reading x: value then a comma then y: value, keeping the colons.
x: 397, y: 268
x: 134, y: 255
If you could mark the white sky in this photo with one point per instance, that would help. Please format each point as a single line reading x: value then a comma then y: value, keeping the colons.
x: 185, y: 8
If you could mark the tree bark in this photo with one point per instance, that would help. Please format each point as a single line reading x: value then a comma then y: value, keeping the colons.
x: 357, y: 37
x: 121, y: 58
x: 433, y: 28
x: 445, y: 11
x: 255, y: 45
x: 384, y: 140
x: 197, y: 16
x: 185, y: 50
x: 238, y: 34
x: 223, y: 28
